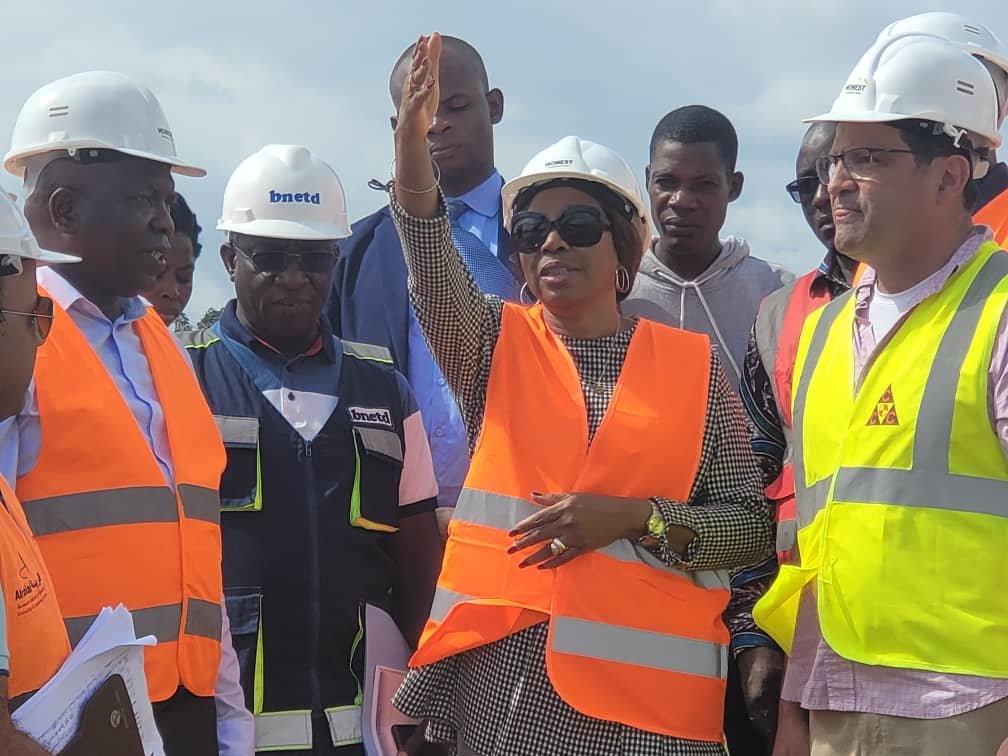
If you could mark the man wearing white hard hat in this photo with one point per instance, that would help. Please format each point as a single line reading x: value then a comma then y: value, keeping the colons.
x: 116, y: 455
x: 896, y: 618
x: 990, y: 207
x: 329, y: 492
x: 33, y: 640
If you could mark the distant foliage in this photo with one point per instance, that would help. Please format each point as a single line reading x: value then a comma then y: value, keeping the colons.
x: 211, y: 316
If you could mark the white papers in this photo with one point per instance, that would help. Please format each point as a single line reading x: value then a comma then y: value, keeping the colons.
x: 109, y: 647
x: 386, y: 659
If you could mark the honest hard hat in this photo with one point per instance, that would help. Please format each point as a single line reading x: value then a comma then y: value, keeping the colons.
x: 96, y: 110
x: 576, y: 158
x: 921, y: 77
x: 974, y: 38
x: 17, y: 239
x: 285, y: 192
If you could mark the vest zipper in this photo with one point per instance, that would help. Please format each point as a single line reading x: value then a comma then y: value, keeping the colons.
x: 315, y: 608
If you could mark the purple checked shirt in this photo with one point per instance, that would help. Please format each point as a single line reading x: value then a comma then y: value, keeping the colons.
x: 818, y: 677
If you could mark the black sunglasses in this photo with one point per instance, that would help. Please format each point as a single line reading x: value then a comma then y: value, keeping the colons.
x: 42, y: 316
x: 803, y: 189
x: 275, y: 262
x: 578, y: 225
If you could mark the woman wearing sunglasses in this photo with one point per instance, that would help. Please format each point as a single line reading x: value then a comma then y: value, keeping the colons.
x: 32, y: 634
x: 579, y: 606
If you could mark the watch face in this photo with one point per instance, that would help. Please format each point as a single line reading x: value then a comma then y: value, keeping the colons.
x: 656, y: 525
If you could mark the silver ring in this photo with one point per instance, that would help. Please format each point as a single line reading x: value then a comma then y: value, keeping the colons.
x: 558, y: 547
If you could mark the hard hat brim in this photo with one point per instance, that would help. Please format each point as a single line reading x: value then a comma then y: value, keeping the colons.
x: 286, y: 229
x: 869, y: 116
x: 512, y: 188
x: 14, y: 163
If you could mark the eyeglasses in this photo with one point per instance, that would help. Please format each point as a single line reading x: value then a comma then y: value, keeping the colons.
x: 275, y: 262
x: 862, y: 163
x: 578, y: 225
x: 42, y: 316
x: 803, y: 188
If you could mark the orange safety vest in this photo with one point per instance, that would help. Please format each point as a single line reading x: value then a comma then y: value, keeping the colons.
x: 110, y: 528
x: 36, y: 638
x: 630, y: 639
x: 995, y: 215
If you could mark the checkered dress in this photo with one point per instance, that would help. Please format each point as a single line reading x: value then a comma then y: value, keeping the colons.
x: 497, y: 699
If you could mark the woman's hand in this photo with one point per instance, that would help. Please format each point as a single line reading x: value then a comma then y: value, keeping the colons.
x: 415, y: 182
x: 580, y: 521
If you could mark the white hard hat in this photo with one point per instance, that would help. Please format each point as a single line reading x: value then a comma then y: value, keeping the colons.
x: 17, y: 239
x: 94, y: 110
x: 576, y: 158
x: 922, y: 77
x: 974, y: 38
x: 285, y: 192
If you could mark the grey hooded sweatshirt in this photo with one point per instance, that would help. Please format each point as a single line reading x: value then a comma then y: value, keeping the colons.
x: 721, y: 302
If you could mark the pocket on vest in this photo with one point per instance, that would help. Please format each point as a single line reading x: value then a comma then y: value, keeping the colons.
x: 244, y: 610
x: 374, y: 504
x: 240, y: 488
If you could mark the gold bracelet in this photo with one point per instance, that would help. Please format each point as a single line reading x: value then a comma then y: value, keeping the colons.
x: 431, y: 188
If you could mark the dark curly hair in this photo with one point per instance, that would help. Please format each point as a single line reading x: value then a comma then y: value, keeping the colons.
x: 185, y: 223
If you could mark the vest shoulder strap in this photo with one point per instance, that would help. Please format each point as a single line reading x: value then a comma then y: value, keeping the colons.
x: 371, y: 352
x: 200, y: 339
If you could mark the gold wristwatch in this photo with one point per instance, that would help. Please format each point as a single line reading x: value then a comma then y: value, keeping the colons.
x: 656, y: 527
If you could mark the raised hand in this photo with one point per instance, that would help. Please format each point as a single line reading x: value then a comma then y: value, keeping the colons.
x: 415, y: 182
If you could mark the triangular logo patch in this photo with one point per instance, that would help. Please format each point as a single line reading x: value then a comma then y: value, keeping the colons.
x: 885, y: 410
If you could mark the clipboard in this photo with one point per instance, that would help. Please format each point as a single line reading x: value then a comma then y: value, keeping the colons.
x: 107, y: 724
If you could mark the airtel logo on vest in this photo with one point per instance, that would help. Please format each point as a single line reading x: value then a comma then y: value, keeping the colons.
x: 303, y: 197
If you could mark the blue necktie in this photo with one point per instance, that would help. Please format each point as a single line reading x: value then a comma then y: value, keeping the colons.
x: 489, y: 272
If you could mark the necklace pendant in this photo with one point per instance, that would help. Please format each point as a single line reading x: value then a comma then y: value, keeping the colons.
x: 596, y: 388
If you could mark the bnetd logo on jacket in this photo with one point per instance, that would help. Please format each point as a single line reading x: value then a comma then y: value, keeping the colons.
x: 374, y: 415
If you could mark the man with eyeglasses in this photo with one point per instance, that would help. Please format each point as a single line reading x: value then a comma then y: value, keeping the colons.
x: 32, y: 635
x: 328, y: 495
x: 896, y: 618
x: 116, y: 457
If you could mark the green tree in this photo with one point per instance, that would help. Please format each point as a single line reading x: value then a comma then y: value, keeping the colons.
x: 211, y: 316
x: 183, y: 323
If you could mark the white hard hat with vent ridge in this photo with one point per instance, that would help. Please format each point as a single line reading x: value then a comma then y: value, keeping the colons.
x: 921, y: 77
x: 576, y: 158
x: 17, y: 239
x: 971, y: 37
x: 285, y: 192
x: 95, y: 110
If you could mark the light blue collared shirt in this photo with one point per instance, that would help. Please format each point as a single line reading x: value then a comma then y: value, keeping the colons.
x: 121, y: 353
x: 442, y: 420
x: 483, y: 218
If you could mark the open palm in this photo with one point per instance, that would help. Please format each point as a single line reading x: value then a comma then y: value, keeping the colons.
x: 421, y: 91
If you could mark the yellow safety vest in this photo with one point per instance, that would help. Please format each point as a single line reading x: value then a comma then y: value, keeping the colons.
x: 902, y: 485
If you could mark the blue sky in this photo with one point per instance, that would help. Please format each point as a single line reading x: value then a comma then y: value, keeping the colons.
x: 233, y: 76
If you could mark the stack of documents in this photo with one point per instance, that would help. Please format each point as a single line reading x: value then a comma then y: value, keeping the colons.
x: 110, y: 647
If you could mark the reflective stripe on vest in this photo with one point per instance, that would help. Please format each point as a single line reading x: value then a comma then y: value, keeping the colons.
x: 110, y: 527
x: 292, y: 730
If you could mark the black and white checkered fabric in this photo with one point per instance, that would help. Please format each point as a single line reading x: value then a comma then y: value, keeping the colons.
x: 498, y: 698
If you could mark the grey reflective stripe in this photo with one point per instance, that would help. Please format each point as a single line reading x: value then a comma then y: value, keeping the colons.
x: 929, y: 483
x: 787, y: 535
x: 196, y: 339
x: 643, y: 648
x: 504, y: 512
x: 286, y: 730
x: 204, y: 618
x: 292, y: 730
x: 200, y: 503
x: 160, y: 621
x: 344, y: 725
x: 367, y: 351
x: 96, y: 509
x: 381, y: 441
x: 445, y: 599
x: 238, y: 431
x: 810, y: 499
